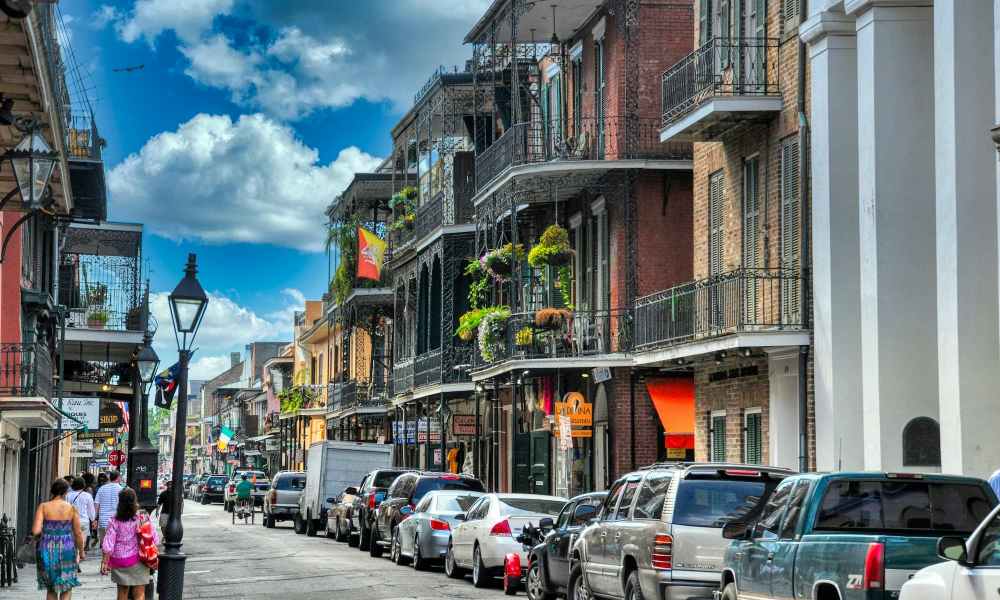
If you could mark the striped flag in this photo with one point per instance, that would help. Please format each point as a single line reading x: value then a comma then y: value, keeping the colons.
x: 126, y: 420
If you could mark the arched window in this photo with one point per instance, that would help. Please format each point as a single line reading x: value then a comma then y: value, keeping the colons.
x: 435, y: 291
x: 922, y: 443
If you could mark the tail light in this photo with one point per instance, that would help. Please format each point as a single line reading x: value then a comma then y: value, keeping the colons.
x: 502, y: 528
x: 371, y: 500
x: 663, y: 552
x: 438, y: 525
x: 874, y: 567
x: 232, y: 488
x: 274, y: 496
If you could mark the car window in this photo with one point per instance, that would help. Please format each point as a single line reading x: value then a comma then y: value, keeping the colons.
x: 216, y: 480
x: 715, y: 502
x: 428, y: 484
x: 564, y: 515
x: 453, y: 503
x: 398, y: 488
x: 769, y: 523
x: 364, y: 483
x: 627, y: 496
x: 474, y: 510
x: 608, y: 510
x: 529, y: 506
x: 988, y: 552
x: 793, y: 513
x: 290, y: 482
x: 423, y: 504
x: 902, y: 506
x: 653, y: 491
x: 481, y: 510
x: 585, y: 511
x: 384, y: 479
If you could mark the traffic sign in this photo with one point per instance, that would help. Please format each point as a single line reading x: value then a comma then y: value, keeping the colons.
x: 117, y: 458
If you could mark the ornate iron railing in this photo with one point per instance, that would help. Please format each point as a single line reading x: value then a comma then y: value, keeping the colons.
x: 402, y: 376
x: 8, y: 551
x: 355, y: 394
x: 102, y: 292
x: 427, y: 368
x: 723, y: 66
x: 25, y: 370
x: 587, y: 138
x: 737, y: 301
x: 430, y: 216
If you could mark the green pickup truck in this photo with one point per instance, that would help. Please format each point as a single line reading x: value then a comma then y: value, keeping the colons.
x: 847, y: 536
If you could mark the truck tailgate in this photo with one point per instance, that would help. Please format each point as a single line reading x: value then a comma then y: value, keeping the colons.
x: 904, y: 556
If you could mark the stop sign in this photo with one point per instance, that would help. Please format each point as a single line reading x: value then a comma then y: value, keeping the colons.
x: 117, y: 458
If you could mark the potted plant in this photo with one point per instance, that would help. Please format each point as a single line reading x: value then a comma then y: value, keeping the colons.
x: 553, y: 248
x: 97, y: 294
x: 468, y: 323
x: 97, y: 319
x: 551, y: 318
x: 500, y: 260
x: 491, y: 331
x: 524, y: 337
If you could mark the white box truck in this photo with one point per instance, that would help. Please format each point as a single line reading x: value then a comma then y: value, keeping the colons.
x: 331, y: 467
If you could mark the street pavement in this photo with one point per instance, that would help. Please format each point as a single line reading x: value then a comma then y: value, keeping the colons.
x: 227, y: 561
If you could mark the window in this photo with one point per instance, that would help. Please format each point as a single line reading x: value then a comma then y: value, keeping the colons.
x: 715, y: 502
x: 565, y: 514
x: 649, y: 505
x: 611, y: 501
x: 577, y: 75
x: 385, y: 478
x: 717, y: 436
x: 585, y: 511
x: 529, y: 506
x: 790, y: 230
x: 769, y: 523
x: 794, y: 512
x: 428, y: 484
x: 790, y: 15
x: 626, y: 504
x: 988, y: 552
x: 752, y: 436
x: 290, y: 482
x: 704, y: 22
x: 423, y: 504
x: 455, y: 504
x: 922, y: 443
x: 599, y: 96
x: 716, y: 199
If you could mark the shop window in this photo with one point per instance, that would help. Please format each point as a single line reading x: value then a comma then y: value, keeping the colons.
x: 922, y: 443
x: 752, y: 436
x: 717, y: 436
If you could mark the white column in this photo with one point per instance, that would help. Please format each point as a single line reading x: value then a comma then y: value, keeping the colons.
x: 965, y: 178
x: 897, y: 222
x: 835, y: 252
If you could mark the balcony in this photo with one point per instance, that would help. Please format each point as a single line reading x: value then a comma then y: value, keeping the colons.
x: 555, y: 145
x: 761, y: 302
x: 25, y: 371
x: 355, y: 397
x: 725, y: 83
x: 402, y: 377
x: 86, y: 168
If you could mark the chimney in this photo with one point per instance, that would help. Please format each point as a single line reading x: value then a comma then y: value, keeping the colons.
x: 234, y: 359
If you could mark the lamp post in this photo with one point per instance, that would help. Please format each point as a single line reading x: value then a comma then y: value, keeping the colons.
x: 143, y: 457
x: 187, y: 307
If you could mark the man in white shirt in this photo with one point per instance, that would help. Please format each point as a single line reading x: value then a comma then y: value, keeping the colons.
x: 107, y: 503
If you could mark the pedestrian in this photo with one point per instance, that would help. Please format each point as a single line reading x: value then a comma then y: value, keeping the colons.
x: 121, y: 548
x: 84, y: 505
x: 60, y: 543
x: 102, y: 478
x: 69, y: 479
x: 90, y: 483
x: 107, y: 503
x: 165, y: 504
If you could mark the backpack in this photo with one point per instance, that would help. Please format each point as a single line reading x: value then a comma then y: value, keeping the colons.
x: 149, y: 554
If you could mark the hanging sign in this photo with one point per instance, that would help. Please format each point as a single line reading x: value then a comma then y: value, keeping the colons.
x: 579, y: 411
x: 463, y: 424
x: 601, y: 374
x: 111, y: 415
x: 565, y: 433
x: 85, y: 411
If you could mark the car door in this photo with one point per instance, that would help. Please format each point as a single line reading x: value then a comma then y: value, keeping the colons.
x: 981, y: 580
x: 596, y: 563
x: 357, y: 507
x: 461, y: 538
x: 758, y: 555
x: 409, y: 527
x: 583, y: 513
x: 784, y: 549
x: 620, y: 531
x: 554, y: 556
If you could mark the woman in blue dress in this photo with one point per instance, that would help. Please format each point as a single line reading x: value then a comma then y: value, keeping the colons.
x: 60, y: 544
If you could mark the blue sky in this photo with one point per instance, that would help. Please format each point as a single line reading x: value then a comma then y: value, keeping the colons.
x: 245, y: 120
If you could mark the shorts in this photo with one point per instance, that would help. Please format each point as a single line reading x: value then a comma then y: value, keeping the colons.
x: 101, y: 531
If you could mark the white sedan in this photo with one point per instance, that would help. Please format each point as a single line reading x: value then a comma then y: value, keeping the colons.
x: 489, y: 530
x: 970, y: 571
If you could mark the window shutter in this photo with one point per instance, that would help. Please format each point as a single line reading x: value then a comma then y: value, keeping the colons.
x: 718, y: 437
x: 704, y: 22
x: 790, y: 231
x: 751, y: 236
x: 716, y: 185
x: 752, y: 435
x: 790, y: 14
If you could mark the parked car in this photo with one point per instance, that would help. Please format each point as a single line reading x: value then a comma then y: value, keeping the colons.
x: 404, y: 494
x: 488, y: 532
x: 213, y: 489
x: 281, y: 502
x: 338, y: 517
x: 548, y: 562
x: 423, y: 536
x: 191, y: 488
x: 969, y: 571
x: 372, y: 491
x: 848, y: 535
x: 260, y: 487
x: 659, y: 534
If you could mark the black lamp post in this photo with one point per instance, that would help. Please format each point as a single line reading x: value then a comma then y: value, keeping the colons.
x: 143, y: 457
x: 187, y: 307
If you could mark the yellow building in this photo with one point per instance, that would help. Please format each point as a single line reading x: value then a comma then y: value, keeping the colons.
x: 303, y: 406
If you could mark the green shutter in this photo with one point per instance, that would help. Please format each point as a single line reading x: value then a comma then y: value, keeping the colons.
x: 752, y: 434
x: 718, y: 437
x: 751, y: 235
x: 790, y: 231
x: 716, y: 202
x: 704, y: 22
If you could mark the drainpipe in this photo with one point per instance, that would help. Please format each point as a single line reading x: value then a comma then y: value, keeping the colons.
x: 804, y: 255
x: 631, y: 410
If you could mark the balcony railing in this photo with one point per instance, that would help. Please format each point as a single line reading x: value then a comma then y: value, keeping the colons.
x: 589, y: 138
x: 82, y: 139
x: 722, y: 67
x: 744, y: 300
x: 430, y: 216
x: 355, y: 395
x: 427, y: 368
x: 102, y: 292
x: 25, y: 370
x: 402, y: 376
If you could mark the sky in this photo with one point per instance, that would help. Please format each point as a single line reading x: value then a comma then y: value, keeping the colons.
x: 231, y: 125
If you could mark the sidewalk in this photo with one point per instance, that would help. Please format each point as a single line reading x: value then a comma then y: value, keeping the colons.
x: 92, y: 585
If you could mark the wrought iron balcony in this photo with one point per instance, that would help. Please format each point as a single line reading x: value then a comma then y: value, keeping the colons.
x: 584, y: 139
x: 744, y: 300
x: 25, y: 370
x: 724, y: 83
x: 402, y: 376
x: 427, y: 368
x: 355, y: 395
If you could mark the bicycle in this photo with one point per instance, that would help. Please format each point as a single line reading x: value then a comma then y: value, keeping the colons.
x: 243, y: 510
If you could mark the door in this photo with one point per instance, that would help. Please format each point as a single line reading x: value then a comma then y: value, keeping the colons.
x: 557, y: 546
x: 758, y: 557
x: 983, y: 579
x: 539, y: 479
x: 464, y: 535
x: 784, y: 549
x: 618, y: 534
x: 594, y: 538
x: 522, y: 469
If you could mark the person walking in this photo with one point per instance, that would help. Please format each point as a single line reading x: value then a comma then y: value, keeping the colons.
x: 84, y: 505
x: 121, y: 548
x: 107, y: 503
x: 60, y: 543
x: 164, y: 504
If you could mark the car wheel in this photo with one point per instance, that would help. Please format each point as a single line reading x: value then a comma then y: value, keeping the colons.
x: 578, y: 588
x: 364, y: 538
x: 633, y: 591
x: 729, y: 593
x: 310, y: 525
x: 419, y: 562
x: 352, y: 539
x: 298, y: 524
x: 535, y: 584
x: 203, y: 500
x: 397, y: 549
x: 269, y: 522
x: 480, y: 576
x: 374, y: 548
x: 451, y: 568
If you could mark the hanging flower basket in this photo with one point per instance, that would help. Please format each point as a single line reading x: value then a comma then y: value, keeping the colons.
x: 553, y: 248
x: 524, y: 337
x: 491, y: 332
x: 499, y: 262
x: 551, y: 319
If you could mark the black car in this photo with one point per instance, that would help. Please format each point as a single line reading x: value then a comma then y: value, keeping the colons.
x: 366, y: 501
x: 403, y: 496
x: 548, y: 562
x: 213, y: 489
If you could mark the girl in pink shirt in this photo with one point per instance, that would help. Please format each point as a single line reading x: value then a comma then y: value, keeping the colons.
x: 121, y: 548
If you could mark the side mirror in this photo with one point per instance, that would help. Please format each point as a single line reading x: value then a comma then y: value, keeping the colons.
x: 735, y: 530
x: 331, y: 500
x: 351, y: 491
x: 405, y: 510
x: 546, y: 523
x: 952, y: 548
x: 461, y: 517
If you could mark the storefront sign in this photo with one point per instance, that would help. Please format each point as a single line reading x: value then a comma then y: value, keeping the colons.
x: 111, y: 415
x: 578, y: 433
x: 601, y: 374
x: 85, y: 411
x: 463, y: 424
x: 579, y: 411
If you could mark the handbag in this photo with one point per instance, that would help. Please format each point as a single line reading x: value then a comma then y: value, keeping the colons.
x: 26, y: 553
x: 149, y: 554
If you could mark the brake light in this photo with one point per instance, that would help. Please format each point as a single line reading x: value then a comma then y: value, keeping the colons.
x: 274, y: 496
x: 501, y: 529
x: 904, y: 475
x: 440, y: 525
x: 232, y: 488
x: 450, y: 477
x: 663, y: 552
x: 874, y: 567
x: 742, y: 473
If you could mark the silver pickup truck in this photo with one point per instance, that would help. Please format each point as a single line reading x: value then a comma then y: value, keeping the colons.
x: 281, y: 502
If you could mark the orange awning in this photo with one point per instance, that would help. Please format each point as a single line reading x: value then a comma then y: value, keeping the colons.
x: 673, y: 398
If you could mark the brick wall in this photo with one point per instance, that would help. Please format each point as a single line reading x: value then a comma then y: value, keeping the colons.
x: 734, y: 396
x: 647, y: 429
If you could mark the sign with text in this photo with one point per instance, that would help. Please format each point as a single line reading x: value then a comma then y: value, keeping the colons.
x: 85, y: 411
x: 463, y: 424
x: 601, y: 374
x: 579, y: 411
x: 565, y: 433
x: 111, y: 415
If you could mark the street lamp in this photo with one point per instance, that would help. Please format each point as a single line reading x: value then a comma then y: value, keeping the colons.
x: 187, y: 307
x: 143, y: 457
x: 33, y: 162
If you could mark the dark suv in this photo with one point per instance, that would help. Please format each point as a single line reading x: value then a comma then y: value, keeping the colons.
x: 404, y: 494
x: 370, y: 494
x: 213, y: 489
x: 659, y: 534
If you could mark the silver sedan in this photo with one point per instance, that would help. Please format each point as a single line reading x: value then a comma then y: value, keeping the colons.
x: 423, y: 535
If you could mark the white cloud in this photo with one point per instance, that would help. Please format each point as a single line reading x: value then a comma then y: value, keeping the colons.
x: 104, y: 16
x: 219, y: 181
x: 189, y: 19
